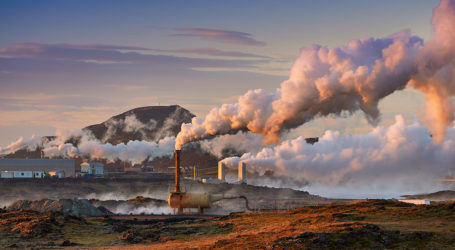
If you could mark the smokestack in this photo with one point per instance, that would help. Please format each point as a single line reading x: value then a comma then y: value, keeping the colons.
x: 221, y: 171
x: 177, y: 170
x: 42, y: 154
x: 242, y: 172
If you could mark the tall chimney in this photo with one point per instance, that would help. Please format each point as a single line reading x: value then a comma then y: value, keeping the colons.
x: 221, y: 171
x: 177, y: 170
x: 242, y: 172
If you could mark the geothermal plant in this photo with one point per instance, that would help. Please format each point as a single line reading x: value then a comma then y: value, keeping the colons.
x: 178, y: 200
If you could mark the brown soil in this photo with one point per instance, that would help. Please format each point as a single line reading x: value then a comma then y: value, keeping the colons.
x: 377, y: 224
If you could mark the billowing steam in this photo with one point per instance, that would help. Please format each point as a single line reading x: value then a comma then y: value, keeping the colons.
x: 81, y: 143
x: 30, y: 144
x: 133, y: 151
x: 357, y: 76
x: 240, y: 142
x: 399, y: 158
x: 75, y: 143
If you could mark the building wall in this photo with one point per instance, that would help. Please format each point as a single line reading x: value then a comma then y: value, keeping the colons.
x: 98, y: 170
x: 23, y: 174
x: 85, y: 167
x: 38, y: 174
x: 7, y: 174
x: 95, y: 168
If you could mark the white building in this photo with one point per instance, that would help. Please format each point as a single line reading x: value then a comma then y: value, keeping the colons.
x: 35, y: 168
x: 95, y: 168
x: 23, y: 174
x: 416, y: 202
x: 7, y: 174
x: 38, y: 174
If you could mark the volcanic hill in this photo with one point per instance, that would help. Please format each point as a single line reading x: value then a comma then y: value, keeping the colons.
x: 146, y: 123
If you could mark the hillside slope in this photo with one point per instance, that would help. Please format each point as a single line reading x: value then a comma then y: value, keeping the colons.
x: 146, y: 123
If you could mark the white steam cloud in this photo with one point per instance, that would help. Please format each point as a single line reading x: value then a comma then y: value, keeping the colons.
x: 133, y: 151
x: 240, y: 142
x: 357, y: 76
x: 30, y: 144
x: 400, y: 158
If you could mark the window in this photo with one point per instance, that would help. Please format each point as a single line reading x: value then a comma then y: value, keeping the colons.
x: 22, y: 174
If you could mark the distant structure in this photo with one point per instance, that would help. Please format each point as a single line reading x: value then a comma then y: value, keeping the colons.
x: 221, y: 171
x: 36, y: 168
x: 132, y: 170
x: 93, y: 168
x: 312, y: 140
x: 148, y: 169
x: 416, y: 202
x: 242, y: 172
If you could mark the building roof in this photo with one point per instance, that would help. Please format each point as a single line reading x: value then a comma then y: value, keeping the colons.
x: 66, y: 165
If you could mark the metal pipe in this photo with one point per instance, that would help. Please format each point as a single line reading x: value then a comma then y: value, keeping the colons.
x: 218, y: 197
x: 177, y: 170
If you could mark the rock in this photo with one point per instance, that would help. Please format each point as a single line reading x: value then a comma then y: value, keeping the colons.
x: 66, y: 243
x: 130, y: 236
x: 74, y: 206
x: 306, y: 235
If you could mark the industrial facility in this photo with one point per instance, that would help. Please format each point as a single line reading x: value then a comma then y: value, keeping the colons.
x: 36, y: 168
x: 218, y: 174
x: 179, y: 199
x: 92, y: 168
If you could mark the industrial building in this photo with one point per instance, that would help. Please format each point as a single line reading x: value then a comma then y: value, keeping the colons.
x: 36, y: 168
x: 92, y: 168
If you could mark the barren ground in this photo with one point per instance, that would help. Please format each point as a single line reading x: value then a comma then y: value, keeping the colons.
x: 375, y: 224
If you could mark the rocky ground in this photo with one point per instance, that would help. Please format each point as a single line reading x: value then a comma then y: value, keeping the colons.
x: 377, y: 224
x: 108, y: 191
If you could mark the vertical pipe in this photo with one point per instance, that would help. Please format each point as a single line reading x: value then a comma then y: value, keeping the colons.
x: 177, y: 170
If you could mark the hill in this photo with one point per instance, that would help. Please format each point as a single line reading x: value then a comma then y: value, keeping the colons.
x: 150, y: 123
x: 445, y: 195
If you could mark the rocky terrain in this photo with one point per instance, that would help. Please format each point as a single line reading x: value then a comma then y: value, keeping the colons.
x: 377, y: 224
x: 156, y: 187
x: 77, y: 207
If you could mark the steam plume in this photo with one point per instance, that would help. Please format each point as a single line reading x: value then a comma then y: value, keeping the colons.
x: 239, y: 142
x: 133, y: 151
x: 401, y: 158
x: 30, y: 144
x: 357, y: 76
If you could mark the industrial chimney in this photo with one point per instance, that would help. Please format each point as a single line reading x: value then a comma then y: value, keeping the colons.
x: 221, y: 171
x: 242, y: 172
x: 177, y: 170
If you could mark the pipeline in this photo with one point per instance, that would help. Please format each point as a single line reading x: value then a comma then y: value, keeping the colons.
x: 218, y: 197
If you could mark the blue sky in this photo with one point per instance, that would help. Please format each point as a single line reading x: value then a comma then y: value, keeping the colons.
x: 69, y: 64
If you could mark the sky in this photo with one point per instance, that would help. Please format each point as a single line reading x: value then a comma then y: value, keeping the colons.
x: 70, y: 64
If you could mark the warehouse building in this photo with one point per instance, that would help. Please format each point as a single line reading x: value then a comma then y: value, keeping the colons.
x: 92, y: 168
x: 36, y: 168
